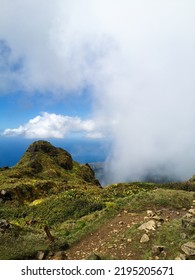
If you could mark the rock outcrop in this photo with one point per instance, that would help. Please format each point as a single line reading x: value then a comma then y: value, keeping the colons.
x: 43, y: 158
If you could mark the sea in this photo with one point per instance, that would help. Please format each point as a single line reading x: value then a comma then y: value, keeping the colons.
x: 82, y: 150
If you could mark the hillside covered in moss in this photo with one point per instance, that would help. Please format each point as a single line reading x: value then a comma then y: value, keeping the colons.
x: 52, y: 207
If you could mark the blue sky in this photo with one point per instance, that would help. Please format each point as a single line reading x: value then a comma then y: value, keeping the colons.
x: 116, y: 73
x: 19, y: 104
x: 17, y: 108
x: 38, y: 110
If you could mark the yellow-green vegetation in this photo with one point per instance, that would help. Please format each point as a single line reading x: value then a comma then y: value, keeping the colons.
x: 48, y: 188
x: 157, y: 198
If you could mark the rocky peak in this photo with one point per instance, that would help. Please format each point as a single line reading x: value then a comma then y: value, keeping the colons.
x: 42, y: 155
x: 45, y: 161
x: 45, y: 147
x: 41, y: 146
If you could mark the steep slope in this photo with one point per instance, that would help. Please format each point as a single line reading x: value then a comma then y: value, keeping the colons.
x: 43, y: 170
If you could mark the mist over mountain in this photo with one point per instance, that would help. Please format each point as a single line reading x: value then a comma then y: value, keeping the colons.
x: 134, y: 64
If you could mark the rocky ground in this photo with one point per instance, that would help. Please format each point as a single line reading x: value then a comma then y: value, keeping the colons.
x: 112, y: 238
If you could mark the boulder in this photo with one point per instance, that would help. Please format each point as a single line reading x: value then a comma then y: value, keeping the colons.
x: 145, y: 238
x: 150, y: 225
x: 189, y: 248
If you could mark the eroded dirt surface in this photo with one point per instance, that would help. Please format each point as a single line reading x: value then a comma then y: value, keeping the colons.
x: 112, y: 239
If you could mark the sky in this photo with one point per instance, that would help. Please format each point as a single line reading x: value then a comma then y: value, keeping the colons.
x: 116, y: 73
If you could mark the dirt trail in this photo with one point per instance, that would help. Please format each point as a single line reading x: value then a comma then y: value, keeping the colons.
x: 110, y: 240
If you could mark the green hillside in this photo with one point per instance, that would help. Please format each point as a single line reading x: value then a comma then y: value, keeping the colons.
x: 52, y: 207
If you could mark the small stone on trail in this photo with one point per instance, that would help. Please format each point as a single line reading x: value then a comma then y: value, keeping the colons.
x: 145, y: 238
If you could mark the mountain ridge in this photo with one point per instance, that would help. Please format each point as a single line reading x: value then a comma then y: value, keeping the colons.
x: 52, y: 207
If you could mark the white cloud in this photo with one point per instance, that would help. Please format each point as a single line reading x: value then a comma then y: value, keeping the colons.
x: 59, y: 43
x: 54, y: 126
x: 138, y: 56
